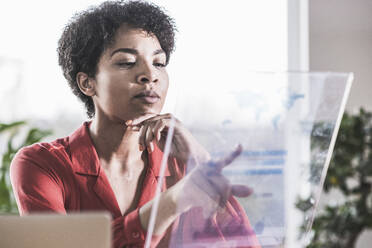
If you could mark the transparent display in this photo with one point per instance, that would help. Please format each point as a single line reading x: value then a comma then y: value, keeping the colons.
x: 270, y: 141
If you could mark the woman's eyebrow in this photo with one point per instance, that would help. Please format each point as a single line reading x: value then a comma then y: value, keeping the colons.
x: 134, y: 51
x: 125, y: 50
x: 159, y: 51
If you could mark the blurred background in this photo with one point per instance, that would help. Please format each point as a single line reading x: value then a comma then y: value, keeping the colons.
x: 215, y: 40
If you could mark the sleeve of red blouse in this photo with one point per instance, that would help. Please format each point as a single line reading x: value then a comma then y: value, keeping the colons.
x: 38, y: 188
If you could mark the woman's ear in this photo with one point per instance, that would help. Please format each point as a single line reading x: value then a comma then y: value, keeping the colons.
x: 86, y: 84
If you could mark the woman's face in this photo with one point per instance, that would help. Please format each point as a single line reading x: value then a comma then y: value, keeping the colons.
x: 131, y: 78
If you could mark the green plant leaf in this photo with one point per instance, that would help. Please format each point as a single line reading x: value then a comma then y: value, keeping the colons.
x: 5, y: 127
x: 35, y: 135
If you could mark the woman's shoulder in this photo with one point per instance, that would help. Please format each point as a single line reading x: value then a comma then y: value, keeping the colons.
x: 55, y: 156
x: 54, y: 151
x: 41, y: 149
x: 43, y: 154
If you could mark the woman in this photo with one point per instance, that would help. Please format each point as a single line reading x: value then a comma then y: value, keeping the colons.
x: 114, y: 57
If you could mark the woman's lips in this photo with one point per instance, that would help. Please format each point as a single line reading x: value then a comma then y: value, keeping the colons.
x: 149, y: 97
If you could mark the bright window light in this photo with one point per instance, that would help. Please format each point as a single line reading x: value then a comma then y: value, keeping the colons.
x: 218, y: 42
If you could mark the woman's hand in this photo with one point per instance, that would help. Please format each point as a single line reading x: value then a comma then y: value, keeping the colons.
x: 154, y: 128
x: 206, y: 187
x: 203, y: 187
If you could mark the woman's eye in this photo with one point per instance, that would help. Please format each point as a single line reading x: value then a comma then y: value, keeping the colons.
x: 160, y: 65
x: 125, y: 64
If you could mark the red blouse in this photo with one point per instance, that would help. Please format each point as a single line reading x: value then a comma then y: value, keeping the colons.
x: 65, y: 176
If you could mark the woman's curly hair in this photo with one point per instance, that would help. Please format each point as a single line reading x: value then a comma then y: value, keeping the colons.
x: 90, y: 32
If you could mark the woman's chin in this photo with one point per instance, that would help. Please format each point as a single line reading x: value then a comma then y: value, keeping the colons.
x: 148, y: 110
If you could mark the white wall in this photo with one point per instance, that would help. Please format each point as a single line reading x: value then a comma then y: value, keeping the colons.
x: 341, y: 40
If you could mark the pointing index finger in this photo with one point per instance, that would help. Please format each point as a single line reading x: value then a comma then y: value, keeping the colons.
x: 220, y: 164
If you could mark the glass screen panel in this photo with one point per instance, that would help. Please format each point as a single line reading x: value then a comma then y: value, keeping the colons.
x: 254, y: 151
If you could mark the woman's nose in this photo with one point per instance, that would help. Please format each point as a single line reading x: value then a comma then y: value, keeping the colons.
x: 147, y: 75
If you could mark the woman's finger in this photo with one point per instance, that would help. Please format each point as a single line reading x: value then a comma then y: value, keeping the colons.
x: 159, y: 127
x: 150, y: 127
x: 147, y: 118
x: 142, y: 137
x: 220, y: 164
x: 149, y: 137
x: 241, y: 190
x: 139, y: 120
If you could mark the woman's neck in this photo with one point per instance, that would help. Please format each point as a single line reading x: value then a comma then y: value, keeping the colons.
x: 115, y: 144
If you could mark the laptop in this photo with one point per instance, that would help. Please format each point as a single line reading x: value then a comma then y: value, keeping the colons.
x: 80, y: 230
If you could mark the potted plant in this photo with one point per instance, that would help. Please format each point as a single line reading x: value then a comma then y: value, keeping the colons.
x: 339, y: 225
